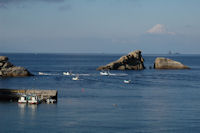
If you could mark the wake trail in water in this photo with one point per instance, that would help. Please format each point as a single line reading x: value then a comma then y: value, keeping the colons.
x: 46, y: 74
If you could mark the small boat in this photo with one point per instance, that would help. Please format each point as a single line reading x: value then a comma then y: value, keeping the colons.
x: 22, y: 99
x: 67, y: 73
x: 49, y: 100
x: 127, y: 81
x: 104, y: 73
x: 33, y: 100
x: 75, y: 78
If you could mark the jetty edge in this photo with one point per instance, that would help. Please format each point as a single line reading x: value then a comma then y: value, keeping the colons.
x: 15, y: 94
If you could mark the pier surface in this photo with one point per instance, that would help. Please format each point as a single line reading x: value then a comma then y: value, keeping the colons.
x: 14, y: 94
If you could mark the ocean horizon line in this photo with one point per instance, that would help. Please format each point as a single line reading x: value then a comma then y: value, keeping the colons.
x: 96, y: 53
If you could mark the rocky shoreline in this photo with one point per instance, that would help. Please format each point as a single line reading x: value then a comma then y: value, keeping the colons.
x: 7, y: 69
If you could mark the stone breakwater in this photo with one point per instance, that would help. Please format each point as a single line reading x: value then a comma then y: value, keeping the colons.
x: 7, y: 69
x: 14, y: 94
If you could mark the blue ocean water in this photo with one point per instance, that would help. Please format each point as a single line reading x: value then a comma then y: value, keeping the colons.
x: 156, y: 101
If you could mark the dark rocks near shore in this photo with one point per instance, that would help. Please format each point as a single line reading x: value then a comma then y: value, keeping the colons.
x: 3, y: 58
x: 132, y: 61
x: 7, y: 69
x: 165, y: 63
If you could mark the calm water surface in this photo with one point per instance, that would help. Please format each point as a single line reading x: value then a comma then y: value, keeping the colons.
x: 157, y: 101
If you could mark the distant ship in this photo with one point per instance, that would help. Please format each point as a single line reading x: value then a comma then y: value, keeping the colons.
x: 171, y: 53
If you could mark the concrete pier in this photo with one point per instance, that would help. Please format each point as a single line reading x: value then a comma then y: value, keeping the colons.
x: 14, y: 94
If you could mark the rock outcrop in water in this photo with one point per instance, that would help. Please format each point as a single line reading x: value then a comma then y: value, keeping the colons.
x: 165, y: 63
x: 132, y: 61
x: 7, y: 69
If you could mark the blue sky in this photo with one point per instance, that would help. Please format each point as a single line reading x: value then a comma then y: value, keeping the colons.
x: 100, y: 26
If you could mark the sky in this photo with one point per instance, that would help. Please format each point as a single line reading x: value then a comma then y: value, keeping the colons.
x: 100, y: 26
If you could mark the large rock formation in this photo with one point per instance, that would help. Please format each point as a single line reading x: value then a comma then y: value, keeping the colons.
x: 7, y: 69
x: 132, y: 61
x: 165, y: 63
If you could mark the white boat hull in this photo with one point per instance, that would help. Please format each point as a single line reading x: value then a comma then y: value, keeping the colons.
x: 127, y: 81
x: 67, y: 73
x: 33, y: 100
x: 75, y: 78
x: 104, y: 73
x: 22, y: 99
x: 50, y: 101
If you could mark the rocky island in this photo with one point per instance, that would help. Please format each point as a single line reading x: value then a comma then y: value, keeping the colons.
x: 165, y: 63
x: 7, y: 69
x: 132, y: 61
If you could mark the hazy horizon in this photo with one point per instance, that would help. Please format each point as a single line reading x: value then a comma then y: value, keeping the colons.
x: 99, y: 26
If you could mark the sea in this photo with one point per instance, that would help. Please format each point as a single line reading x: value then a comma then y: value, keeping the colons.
x: 155, y: 101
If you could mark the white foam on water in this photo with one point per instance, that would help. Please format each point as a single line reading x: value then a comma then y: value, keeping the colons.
x: 75, y: 74
x: 84, y: 74
x: 46, y: 74
x: 118, y: 74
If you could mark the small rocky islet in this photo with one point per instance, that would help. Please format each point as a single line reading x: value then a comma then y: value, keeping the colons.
x: 7, y: 69
x: 165, y: 63
x: 131, y: 61
x: 135, y: 61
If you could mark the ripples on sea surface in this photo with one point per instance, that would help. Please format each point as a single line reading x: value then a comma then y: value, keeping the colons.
x: 156, y: 101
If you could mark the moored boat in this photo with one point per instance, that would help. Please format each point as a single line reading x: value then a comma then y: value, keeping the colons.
x: 49, y: 100
x: 22, y: 99
x: 33, y: 100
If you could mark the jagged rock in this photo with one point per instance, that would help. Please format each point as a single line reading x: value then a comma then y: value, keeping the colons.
x: 1, y: 64
x: 7, y: 65
x: 7, y: 69
x: 15, y: 72
x: 132, y: 61
x: 3, y: 58
x: 165, y: 63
